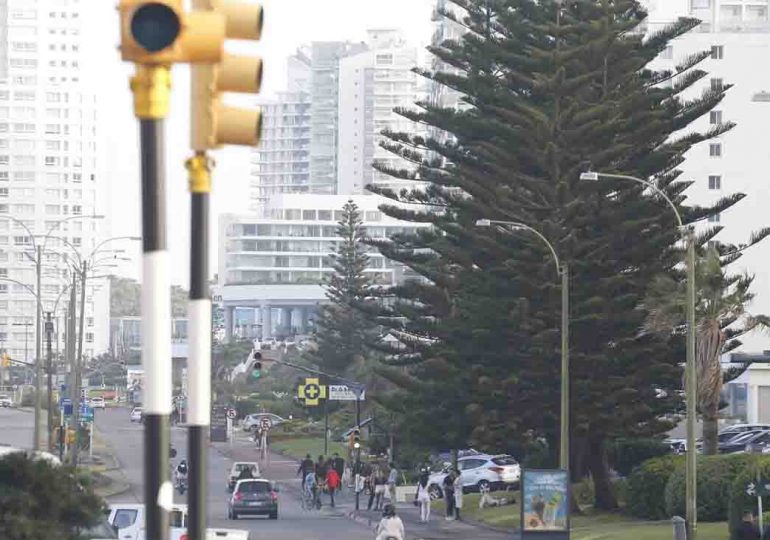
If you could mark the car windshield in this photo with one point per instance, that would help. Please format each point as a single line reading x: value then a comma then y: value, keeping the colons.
x: 504, y: 460
x: 240, y: 466
x: 254, y: 487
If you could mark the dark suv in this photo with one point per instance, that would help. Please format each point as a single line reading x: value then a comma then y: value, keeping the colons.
x: 253, y: 497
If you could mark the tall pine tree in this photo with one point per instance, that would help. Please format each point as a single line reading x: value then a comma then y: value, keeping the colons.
x: 551, y: 88
x: 342, y: 330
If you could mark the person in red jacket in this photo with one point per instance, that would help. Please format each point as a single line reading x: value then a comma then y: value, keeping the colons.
x: 332, y: 483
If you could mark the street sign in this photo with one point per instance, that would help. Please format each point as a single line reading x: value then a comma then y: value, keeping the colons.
x: 63, y: 402
x: 86, y: 413
x: 265, y: 423
x: 311, y: 392
x: 231, y: 414
x: 758, y: 489
x: 342, y: 392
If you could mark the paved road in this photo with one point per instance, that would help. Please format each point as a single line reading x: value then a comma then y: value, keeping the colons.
x: 16, y: 427
x: 293, y: 524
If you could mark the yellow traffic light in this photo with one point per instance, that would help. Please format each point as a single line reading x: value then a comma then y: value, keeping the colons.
x: 161, y: 32
x: 5, y: 360
x: 213, y: 122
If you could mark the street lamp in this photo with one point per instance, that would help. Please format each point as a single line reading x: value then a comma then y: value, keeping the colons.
x: 690, y: 371
x: 563, y: 271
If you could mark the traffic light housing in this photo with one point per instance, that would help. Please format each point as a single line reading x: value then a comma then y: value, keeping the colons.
x: 256, y: 366
x: 161, y: 32
x: 356, y: 438
x: 214, y: 123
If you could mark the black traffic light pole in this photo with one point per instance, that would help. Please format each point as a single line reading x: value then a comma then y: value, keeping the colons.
x: 199, y: 365
x: 151, y: 86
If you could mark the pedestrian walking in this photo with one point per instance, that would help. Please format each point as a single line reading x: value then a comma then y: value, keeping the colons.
x: 448, y: 485
x: 422, y: 498
x: 370, y: 482
x: 321, y: 467
x: 338, y: 463
x: 747, y: 530
x: 380, y: 488
x: 332, y: 483
x: 392, y: 481
x: 458, y: 485
x: 305, y: 467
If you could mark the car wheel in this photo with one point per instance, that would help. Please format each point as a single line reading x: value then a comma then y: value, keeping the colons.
x: 435, y: 492
x: 483, y: 485
x: 274, y: 515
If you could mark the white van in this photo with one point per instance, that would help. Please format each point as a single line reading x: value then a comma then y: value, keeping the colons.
x: 129, y: 520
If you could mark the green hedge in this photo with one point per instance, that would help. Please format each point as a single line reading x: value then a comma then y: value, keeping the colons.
x: 716, y: 475
x: 627, y: 454
x: 647, y: 484
x: 739, y: 501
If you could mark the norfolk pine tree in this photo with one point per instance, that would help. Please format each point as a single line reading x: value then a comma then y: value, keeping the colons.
x: 550, y: 92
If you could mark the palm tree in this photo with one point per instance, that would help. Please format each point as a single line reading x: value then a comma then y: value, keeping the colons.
x: 720, y: 312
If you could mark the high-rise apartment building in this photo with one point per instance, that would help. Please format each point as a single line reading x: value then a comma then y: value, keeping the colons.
x: 737, y: 34
x: 372, y: 84
x: 50, y: 174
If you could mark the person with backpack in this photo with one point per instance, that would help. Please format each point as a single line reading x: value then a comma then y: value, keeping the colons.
x: 306, y: 467
x: 448, y: 486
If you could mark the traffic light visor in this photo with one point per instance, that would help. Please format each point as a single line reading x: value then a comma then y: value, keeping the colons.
x: 155, y: 26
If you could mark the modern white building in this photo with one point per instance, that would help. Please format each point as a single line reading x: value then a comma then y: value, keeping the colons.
x: 372, y: 84
x: 737, y: 32
x: 50, y: 169
x: 275, y: 263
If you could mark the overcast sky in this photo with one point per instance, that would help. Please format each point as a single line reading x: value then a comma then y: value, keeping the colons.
x: 288, y: 24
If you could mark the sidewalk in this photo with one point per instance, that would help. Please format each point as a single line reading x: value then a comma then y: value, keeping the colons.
x: 437, y: 529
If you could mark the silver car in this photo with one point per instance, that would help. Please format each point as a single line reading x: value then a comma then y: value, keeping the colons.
x: 479, y: 472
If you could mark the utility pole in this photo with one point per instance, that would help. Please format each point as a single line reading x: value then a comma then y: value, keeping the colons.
x: 78, y: 363
x: 49, y: 364
x: 70, y: 348
x: 38, y: 342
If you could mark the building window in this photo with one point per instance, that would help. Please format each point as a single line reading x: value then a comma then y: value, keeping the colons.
x: 89, y: 337
x: 717, y: 52
x: 715, y: 117
x: 716, y: 85
x: 715, y: 218
x: 715, y: 182
x: 715, y: 149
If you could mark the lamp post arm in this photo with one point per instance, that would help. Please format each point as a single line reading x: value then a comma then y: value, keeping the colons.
x: 57, y: 224
x: 518, y: 225
x: 652, y: 186
x: 29, y: 289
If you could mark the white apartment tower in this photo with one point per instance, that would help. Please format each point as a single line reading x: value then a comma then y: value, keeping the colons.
x: 51, y: 180
x: 737, y: 32
x: 371, y: 84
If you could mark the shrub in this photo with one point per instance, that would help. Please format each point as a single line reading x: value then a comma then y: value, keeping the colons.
x: 716, y: 475
x: 583, y: 492
x: 627, y: 454
x: 646, y: 486
x: 739, y: 500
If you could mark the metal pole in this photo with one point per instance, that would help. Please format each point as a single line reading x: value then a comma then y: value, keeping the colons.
x: 199, y: 367
x: 326, y: 427
x: 49, y: 363
x: 38, y: 360
x: 358, y: 451
x: 690, y: 390
x: 151, y: 86
x: 70, y: 346
x: 78, y: 364
x: 565, y: 377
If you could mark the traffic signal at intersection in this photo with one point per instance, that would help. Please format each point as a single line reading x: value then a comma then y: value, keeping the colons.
x: 256, y: 366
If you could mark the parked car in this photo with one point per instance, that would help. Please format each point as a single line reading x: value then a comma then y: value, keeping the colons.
x: 731, y: 432
x: 253, y: 421
x: 129, y: 520
x: 101, y: 531
x: 478, y: 472
x: 97, y: 402
x: 253, y: 497
x: 237, y: 468
x: 136, y: 414
x: 748, y: 441
x: 5, y: 401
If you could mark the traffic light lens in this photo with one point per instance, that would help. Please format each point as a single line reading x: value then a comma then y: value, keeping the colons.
x: 155, y: 26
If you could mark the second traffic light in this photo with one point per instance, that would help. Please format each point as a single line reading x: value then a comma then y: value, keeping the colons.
x: 256, y: 366
x: 213, y: 122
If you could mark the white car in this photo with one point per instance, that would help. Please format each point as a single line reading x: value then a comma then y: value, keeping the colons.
x: 5, y: 401
x: 97, y: 402
x: 136, y: 414
x: 254, y: 421
x: 129, y: 520
x: 237, y: 468
x: 479, y: 472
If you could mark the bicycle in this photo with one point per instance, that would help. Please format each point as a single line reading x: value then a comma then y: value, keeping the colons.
x: 311, y: 499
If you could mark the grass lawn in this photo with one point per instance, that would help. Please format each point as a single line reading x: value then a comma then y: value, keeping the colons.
x: 300, y: 447
x: 589, y: 526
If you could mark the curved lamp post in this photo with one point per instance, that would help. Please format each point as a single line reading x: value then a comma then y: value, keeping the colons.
x: 563, y: 271
x: 690, y: 371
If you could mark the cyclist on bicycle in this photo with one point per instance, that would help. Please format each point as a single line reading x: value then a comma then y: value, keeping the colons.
x: 311, y: 489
